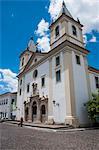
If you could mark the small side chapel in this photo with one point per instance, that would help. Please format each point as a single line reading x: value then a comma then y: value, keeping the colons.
x: 53, y: 86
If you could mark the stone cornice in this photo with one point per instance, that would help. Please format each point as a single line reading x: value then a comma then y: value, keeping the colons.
x: 65, y: 34
x: 92, y: 69
x: 60, y: 47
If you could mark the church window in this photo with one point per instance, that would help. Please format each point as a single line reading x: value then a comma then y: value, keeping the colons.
x: 58, y: 76
x: 22, y: 61
x: 43, y: 81
x: 5, y: 114
x: 97, y: 82
x: 21, y: 82
x: 28, y: 88
x: 57, y: 31
x: 35, y: 73
x: 6, y: 101
x: 12, y: 101
x: 74, y: 30
x: 78, y: 59
x: 20, y: 92
x: 35, y: 60
x: 57, y: 61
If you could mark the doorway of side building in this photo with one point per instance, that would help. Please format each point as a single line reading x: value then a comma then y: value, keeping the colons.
x: 26, y: 113
x: 43, y: 113
x: 34, y: 111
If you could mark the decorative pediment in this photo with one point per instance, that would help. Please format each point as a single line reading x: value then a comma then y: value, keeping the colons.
x: 33, y: 60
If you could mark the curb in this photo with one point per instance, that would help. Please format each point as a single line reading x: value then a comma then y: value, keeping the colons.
x: 43, y: 127
x: 58, y: 129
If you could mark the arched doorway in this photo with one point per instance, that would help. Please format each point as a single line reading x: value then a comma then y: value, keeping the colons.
x: 26, y: 113
x: 43, y: 113
x: 34, y: 111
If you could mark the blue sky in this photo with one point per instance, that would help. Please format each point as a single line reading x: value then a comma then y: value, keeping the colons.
x: 19, y: 20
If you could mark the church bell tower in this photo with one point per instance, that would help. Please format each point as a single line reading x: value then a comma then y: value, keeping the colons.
x: 65, y: 27
x: 26, y: 54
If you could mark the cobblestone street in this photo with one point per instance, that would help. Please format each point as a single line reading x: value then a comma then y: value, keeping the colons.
x: 17, y: 138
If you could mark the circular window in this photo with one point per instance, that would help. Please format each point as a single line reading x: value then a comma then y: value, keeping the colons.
x: 35, y: 73
x: 35, y: 60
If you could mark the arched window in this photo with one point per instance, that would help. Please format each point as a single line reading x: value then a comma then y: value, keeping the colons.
x: 35, y: 60
x: 74, y: 30
x: 57, y: 31
x: 34, y: 108
x: 43, y: 110
x: 22, y: 61
x: 35, y: 73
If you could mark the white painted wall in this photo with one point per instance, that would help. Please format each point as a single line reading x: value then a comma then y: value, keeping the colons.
x: 75, y: 38
x: 58, y: 89
x: 81, y: 90
x: 92, y: 76
x: 43, y: 69
x: 6, y: 108
x: 61, y: 32
x: 59, y: 112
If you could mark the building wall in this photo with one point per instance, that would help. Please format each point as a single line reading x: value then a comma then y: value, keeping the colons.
x: 13, y: 106
x: 92, y: 76
x: 75, y: 39
x: 61, y: 29
x: 59, y: 92
x: 81, y: 90
x: 6, y: 108
x: 43, y: 70
x: 59, y: 109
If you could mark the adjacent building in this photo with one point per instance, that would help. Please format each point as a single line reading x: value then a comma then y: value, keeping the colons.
x: 94, y: 79
x: 53, y: 86
x: 8, y: 105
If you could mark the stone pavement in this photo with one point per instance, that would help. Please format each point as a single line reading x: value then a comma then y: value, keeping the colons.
x: 22, y: 138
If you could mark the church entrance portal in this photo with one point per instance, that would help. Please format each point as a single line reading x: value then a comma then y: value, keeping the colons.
x: 43, y: 113
x: 34, y: 111
x: 26, y: 113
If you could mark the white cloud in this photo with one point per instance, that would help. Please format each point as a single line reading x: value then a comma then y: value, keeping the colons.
x: 43, y: 37
x: 43, y: 27
x: 85, y: 39
x: 1, y: 87
x: 86, y: 10
x: 93, y: 39
x: 44, y: 43
x: 8, y: 80
x: 54, y: 8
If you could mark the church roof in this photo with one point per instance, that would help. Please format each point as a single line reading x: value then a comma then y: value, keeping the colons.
x: 93, y: 69
x: 31, y: 45
x: 64, y: 10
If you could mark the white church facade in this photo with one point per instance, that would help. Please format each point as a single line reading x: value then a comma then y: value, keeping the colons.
x: 53, y: 86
